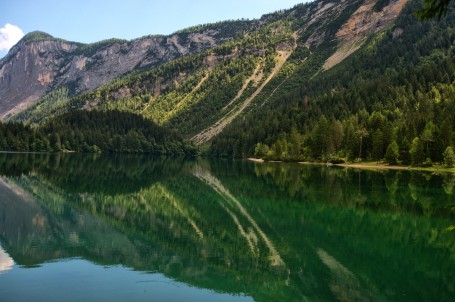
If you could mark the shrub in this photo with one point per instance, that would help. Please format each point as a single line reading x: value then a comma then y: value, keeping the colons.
x: 334, y: 159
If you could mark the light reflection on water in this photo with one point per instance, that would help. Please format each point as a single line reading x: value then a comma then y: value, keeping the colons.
x: 79, y: 280
x: 6, y: 262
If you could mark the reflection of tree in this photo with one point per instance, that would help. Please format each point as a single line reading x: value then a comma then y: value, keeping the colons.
x: 110, y: 174
x: 388, y: 190
x: 448, y: 183
x: 16, y: 164
x: 391, y: 181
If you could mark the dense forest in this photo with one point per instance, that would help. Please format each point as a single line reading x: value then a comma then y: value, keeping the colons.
x: 393, y: 99
x: 94, y: 131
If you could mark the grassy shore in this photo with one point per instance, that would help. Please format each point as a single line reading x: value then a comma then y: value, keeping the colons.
x: 371, y: 165
x: 384, y: 166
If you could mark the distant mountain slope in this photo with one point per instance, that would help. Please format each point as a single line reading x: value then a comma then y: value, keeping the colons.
x: 40, y: 63
x: 186, y: 94
x: 196, y: 92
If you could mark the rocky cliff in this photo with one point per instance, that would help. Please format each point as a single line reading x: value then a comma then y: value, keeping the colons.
x: 27, y: 71
x: 40, y: 63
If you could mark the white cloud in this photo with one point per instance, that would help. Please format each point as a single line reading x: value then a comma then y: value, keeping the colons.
x: 9, y: 35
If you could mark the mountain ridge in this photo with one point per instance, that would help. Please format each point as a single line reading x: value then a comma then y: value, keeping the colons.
x: 305, y: 13
x: 84, y: 67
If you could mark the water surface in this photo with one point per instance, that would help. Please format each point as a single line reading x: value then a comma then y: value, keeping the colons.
x: 117, y: 228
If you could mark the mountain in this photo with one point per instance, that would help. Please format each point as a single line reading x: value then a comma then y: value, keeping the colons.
x: 40, y: 63
x: 43, y: 64
x: 322, y: 80
x: 392, y: 99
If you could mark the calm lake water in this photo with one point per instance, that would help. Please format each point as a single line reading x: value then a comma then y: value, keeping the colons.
x: 134, y: 228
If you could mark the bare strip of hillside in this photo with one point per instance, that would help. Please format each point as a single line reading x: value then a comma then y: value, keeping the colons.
x: 207, y: 134
x: 363, y: 22
x: 245, y: 85
x: 255, y: 231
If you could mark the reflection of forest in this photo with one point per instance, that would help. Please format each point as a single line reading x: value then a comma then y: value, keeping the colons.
x: 399, y: 191
x: 273, y: 231
x: 91, y: 173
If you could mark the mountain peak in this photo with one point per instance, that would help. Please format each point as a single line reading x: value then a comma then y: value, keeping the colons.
x: 35, y: 36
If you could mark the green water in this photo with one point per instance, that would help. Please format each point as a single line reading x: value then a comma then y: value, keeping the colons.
x: 132, y: 228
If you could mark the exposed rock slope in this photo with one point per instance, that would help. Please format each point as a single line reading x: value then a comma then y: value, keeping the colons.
x: 27, y: 72
x: 365, y: 21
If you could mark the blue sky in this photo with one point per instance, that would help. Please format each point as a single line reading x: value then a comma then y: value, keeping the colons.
x: 94, y: 20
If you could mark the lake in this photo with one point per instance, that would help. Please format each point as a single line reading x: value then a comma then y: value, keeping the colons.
x: 134, y: 228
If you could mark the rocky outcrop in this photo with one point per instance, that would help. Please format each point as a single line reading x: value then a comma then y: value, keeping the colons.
x: 27, y: 72
x: 35, y: 67
x: 365, y: 21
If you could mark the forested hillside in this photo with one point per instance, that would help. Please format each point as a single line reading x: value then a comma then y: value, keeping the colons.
x: 193, y: 93
x: 186, y: 94
x: 326, y: 80
x: 393, y: 98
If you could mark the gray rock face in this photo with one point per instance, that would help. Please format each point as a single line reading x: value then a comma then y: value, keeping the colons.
x: 33, y: 68
x: 27, y: 71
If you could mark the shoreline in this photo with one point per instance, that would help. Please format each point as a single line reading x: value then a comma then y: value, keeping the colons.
x: 256, y: 160
x: 367, y: 166
x: 379, y: 166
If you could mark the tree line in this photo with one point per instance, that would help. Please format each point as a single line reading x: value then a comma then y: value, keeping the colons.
x: 94, y: 131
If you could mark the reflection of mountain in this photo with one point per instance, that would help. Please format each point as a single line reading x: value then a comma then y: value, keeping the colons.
x: 274, y: 232
x: 39, y: 230
x: 6, y: 262
x: 254, y: 231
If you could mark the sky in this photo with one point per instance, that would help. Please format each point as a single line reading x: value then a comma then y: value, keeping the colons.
x: 89, y: 21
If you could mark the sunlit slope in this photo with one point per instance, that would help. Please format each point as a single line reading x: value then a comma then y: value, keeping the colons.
x: 199, y: 95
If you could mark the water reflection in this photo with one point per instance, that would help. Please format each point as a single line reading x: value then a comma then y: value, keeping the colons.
x: 344, y: 284
x: 254, y: 231
x: 6, y: 262
x: 274, y: 232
